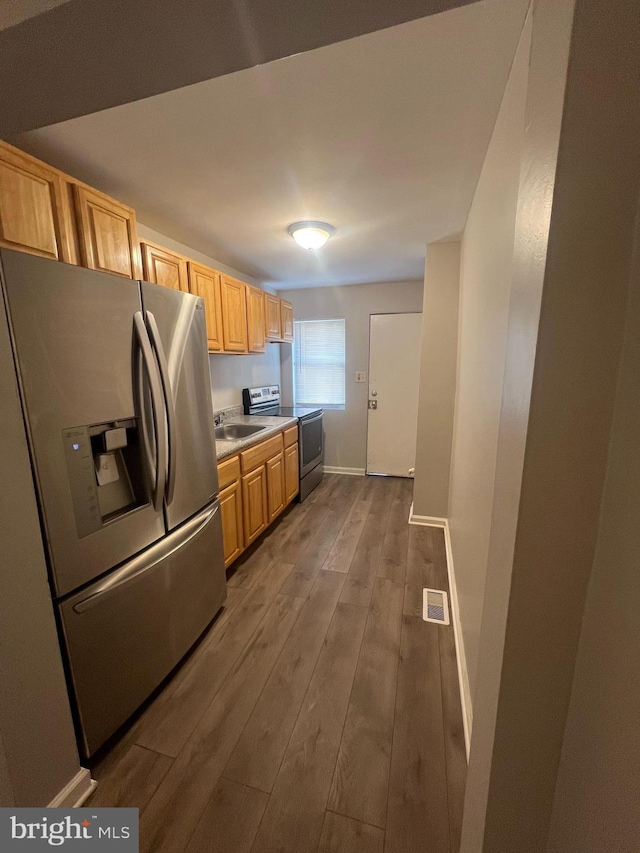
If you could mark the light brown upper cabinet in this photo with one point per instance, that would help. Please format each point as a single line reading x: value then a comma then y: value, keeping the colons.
x: 205, y: 282
x: 286, y: 320
x: 48, y: 213
x: 35, y: 214
x: 234, y: 314
x: 107, y: 233
x: 255, y: 319
x: 164, y: 267
x: 272, y: 318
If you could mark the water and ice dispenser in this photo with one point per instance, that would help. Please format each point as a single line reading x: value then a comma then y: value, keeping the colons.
x: 106, y: 472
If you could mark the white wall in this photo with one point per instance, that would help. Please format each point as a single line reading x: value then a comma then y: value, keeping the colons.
x: 548, y: 28
x: 438, y: 365
x: 346, y: 431
x: 485, y: 288
x: 598, y: 787
x: 577, y: 205
x: 229, y: 373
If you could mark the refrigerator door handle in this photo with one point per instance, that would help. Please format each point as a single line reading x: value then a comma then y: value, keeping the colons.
x: 159, y: 424
x: 148, y: 559
x: 149, y: 454
x: 169, y: 404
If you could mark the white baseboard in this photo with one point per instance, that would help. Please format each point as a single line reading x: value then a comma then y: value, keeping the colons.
x: 426, y: 520
x: 74, y: 794
x: 356, y: 472
x: 463, y: 675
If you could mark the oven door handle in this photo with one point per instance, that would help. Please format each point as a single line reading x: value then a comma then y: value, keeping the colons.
x: 311, y: 420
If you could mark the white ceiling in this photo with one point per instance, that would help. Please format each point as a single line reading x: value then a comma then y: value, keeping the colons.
x: 382, y: 136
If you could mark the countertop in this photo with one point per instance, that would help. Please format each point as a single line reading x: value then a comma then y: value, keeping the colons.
x: 226, y: 448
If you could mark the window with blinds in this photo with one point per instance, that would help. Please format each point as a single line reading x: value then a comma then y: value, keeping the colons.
x: 319, y: 363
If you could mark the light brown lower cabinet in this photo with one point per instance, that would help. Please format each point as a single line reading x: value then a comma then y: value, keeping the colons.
x: 275, y: 486
x: 291, y: 472
x: 232, y: 522
x: 250, y: 502
x: 254, y: 503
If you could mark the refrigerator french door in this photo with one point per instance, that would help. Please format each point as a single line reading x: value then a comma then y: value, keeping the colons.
x: 115, y: 387
x: 181, y: 327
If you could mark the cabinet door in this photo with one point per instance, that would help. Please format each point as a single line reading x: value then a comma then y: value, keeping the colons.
x: 107, y: 232
x: 275, y: 485
x: 272, y: 317
x: 286, y: 315
x: 205, y: 282
x: 35, y: 216
x: 231, y: 514
x: 290, y: 436
x: 291, y: 472
x: 255, y: 319
x: 160, y: 266
x: 234, y: 314
x: 228, y: 471
x: 254, y: 503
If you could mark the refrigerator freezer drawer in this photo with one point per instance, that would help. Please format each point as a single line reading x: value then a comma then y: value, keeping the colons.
x: 125, y: 633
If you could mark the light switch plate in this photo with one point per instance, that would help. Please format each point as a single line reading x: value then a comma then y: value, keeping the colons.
x: 361, y: 376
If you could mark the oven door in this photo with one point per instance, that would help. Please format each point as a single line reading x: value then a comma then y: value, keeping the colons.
x: 311, y: 444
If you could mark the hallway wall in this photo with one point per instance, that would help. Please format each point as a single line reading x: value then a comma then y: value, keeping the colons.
x: 577, y: 207
x: 598, y: 789
x: 485, y: 290
x: 438, y: 366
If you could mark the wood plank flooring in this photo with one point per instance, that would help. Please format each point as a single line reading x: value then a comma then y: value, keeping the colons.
x: 319, y: 714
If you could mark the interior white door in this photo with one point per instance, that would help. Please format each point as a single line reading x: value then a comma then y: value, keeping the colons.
x: 394, y: 376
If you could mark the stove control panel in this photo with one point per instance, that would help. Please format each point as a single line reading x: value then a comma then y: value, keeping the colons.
x: 256, y: 398
x: 266, y: 394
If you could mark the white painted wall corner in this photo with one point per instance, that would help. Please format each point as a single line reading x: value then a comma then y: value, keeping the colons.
x: 76, y: 792
x: 463, y: 675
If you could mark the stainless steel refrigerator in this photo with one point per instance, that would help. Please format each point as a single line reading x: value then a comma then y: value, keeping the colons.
x: 114, y: 379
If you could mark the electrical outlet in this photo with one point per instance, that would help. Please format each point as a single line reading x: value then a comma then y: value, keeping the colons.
x: 361, y: 376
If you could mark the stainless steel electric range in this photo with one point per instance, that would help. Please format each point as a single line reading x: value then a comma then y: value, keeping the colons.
x: 266, y: 401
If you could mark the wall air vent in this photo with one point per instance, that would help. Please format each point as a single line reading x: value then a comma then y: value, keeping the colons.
x: 435, y: 606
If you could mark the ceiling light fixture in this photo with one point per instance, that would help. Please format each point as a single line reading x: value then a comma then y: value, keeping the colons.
x: 311, y: 235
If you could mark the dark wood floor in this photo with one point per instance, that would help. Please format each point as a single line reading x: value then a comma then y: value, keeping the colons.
x: 319, y: 713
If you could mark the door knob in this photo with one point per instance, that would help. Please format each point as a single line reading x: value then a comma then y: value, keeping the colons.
x: 373, y: 404
x: 374, y: 393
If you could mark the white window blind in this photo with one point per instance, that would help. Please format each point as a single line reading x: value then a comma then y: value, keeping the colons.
x: 318, y: 363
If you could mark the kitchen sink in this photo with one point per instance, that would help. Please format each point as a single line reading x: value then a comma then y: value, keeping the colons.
x: 231, y: 432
